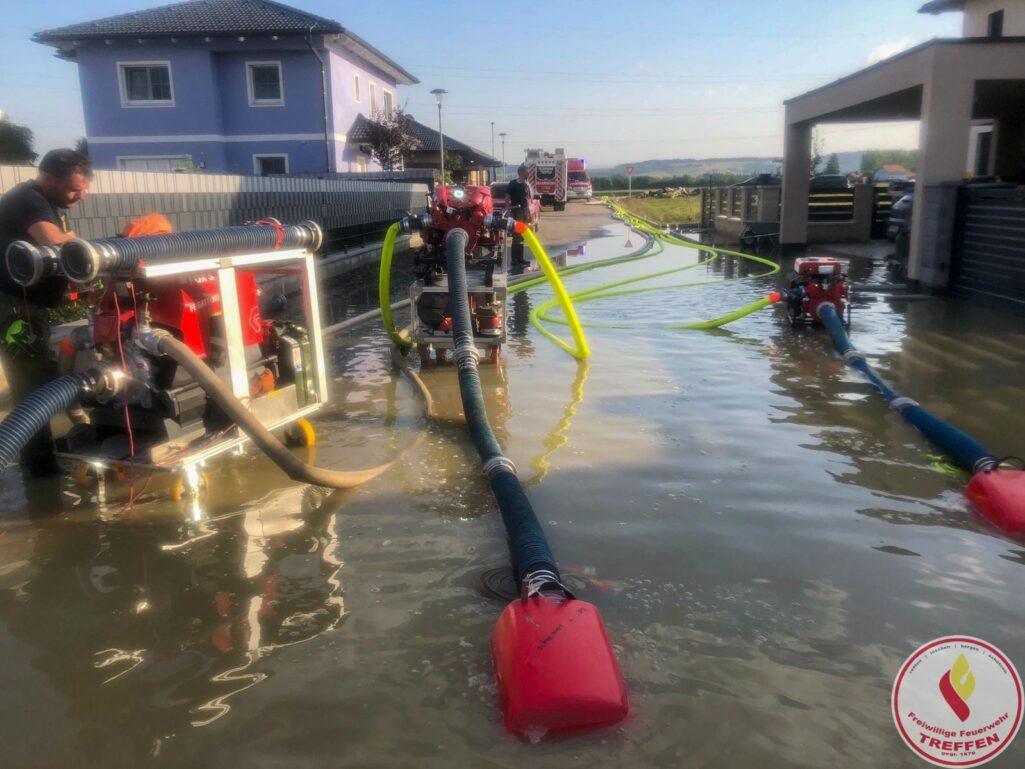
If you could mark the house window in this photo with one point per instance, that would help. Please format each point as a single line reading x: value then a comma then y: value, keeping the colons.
x: 154, y: 163
x: 355, y: 85
x: 389, y: 101
x: 373, y: 99
x: 270, y: 165
x: 995, y: 24
x: 146, y: 84
x: 263, y: 81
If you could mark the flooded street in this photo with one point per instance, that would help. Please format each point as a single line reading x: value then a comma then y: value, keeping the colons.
x: 766, y: 540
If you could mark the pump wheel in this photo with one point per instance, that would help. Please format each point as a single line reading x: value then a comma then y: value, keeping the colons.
x: 425, y: 355
x: 300, y: 434
x: 83, y: 474
x: 180, y: 488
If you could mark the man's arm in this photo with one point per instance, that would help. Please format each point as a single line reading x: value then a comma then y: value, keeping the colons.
x: 48, y: 234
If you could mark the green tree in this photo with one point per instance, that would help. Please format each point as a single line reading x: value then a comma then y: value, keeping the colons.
x: 833, y: 164
x: 873, y: 159
x: 16, y: 143
x: 82, y: 145
x: 390, y: 139
x: 816, y: 151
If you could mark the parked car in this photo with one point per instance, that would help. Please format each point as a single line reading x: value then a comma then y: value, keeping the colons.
x: 829, y: 183
x: 500, y: 199
x: 900, y: 217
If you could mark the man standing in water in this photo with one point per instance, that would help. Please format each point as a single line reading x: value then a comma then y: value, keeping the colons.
x: 36, y: 211
x: 520, y: 196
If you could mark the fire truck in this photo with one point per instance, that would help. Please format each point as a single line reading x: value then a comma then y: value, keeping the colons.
x: 548, y: 174
x: 579, y: 179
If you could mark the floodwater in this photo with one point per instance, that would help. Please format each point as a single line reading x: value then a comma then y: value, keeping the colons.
x: 767, y: 542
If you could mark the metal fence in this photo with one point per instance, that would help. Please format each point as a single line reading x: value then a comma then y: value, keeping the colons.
x: 833, y: 206
x: 202, y: 201
x: 989, y: 245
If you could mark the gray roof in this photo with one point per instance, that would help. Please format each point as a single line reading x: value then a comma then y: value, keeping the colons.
x: 429, y: 139
x: 217, y: 18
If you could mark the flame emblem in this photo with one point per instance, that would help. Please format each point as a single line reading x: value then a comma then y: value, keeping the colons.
x: 957, y: 685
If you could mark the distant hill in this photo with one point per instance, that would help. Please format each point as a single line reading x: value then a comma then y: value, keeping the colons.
x: 742, y: 166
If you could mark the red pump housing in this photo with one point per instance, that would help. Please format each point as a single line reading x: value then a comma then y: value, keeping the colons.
x: 823, y: 280
x: 464, y: 208
x: 185, y: 306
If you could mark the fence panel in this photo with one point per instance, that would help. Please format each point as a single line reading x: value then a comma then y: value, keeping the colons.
x: 989, y: 245
x: 199, y: 201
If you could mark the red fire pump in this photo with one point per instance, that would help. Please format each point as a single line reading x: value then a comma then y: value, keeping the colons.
x: 818, y: 280
x: 470, y: 209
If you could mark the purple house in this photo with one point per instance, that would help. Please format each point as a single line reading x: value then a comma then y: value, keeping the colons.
x: 229, y: 86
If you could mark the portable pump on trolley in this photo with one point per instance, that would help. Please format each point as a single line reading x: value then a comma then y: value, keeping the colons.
x: 177, y: 363
x: 471, y: 209
x: 817, y: 281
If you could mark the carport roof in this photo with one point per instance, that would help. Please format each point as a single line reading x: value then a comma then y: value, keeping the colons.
x: 942, y: 6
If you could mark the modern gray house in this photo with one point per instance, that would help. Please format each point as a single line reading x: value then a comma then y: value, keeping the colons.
x: 228, y: 86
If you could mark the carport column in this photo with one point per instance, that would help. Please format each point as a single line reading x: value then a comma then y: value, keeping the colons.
x: 942, y: 155
x: 793, y: 231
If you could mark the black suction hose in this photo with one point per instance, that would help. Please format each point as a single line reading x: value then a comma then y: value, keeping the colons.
x: 34, y: 413
x: 532, y: 559
x: 84, y: 260
x: 160, y: 342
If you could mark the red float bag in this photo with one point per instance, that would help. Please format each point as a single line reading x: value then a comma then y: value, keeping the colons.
x: 999, y: 496
x: 555, y: 667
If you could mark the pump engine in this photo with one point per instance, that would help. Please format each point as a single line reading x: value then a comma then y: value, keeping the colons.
x: 470, y: 209
x: 817, y: 281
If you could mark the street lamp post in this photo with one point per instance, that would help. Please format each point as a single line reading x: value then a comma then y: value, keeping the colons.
x: 439, y: 94
x: 502, y: 137
x: 492, y: 140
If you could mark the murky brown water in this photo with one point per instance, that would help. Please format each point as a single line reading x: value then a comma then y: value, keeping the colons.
x: 766, y: 540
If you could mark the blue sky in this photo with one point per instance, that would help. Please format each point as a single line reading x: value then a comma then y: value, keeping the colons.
x: 609, y: 80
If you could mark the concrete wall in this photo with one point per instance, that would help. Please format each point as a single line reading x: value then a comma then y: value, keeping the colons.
x: 976, y: 17
x: 201, y: 201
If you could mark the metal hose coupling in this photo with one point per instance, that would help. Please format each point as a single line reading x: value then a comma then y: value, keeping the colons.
x: 104, y: 382
x: 498, y: 464
x: 27, y: 263
x: 410, y: 224
x: 543, y: 582
x: 852, y: 355
x: 504, y: 223
x: 466, y: 357
x: 986, y: 465
x: 903, y: 402
x: 149, y: 339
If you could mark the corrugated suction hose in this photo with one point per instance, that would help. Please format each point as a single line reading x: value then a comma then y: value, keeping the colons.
x: 160, y: 342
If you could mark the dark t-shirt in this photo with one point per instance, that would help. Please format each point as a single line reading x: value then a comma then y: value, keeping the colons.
x: 519, y: 198
x: 23, y: 206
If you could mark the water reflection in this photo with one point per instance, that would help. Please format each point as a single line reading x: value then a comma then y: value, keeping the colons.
x: 150, y: 627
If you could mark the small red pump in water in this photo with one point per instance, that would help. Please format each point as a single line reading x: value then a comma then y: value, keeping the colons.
x: 818, y: 280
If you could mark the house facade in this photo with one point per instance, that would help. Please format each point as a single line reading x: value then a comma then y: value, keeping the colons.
x: 968, y: 95
x: 226, y: 86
